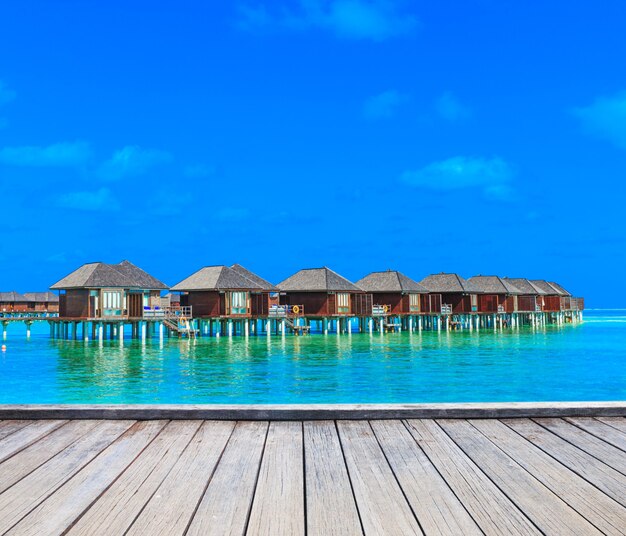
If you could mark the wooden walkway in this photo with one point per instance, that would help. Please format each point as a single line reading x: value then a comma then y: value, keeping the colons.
x: 399, y: 477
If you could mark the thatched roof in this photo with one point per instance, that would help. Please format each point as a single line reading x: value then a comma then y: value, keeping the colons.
x: 42, y: 297
x: 216, y: 278
x: 102, y: 275
x: 317, y: 280
x: 449, y: 283
x: 389, y: 281
x: 492, y: 284
x: 525, y: 286
x: 545, y: 287
x: 13, y: 297
x: 263, y: 283
x: 559, y: 289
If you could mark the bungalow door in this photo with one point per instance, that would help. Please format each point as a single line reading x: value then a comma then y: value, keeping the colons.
x: 238, y: 303
x: 343, y: 303
x: 112, y: 303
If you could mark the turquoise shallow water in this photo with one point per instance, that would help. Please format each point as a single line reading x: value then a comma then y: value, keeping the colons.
x: 583, y: 362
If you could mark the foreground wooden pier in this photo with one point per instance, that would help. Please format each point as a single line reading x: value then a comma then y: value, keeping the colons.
x: 397, y: 476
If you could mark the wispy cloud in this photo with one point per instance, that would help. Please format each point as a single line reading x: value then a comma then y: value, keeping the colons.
x: 65, y: 154
x: 231, y: 214
x: 376, y: 20
x: 6, y: 94
x: 196, y: 171
x: 606, y: 118
x: 384, y: 105
x: 450, y: 108
x: 491, y: 176
x: 131, y: 161
x: 101, y: 200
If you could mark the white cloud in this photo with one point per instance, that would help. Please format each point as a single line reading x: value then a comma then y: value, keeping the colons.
x: 131, y: 161
x: 101, y: 200
x: 606, y: 118
x: 491, y: 176
x: 356, y: 19
x: 57, y: 155
x: 383, y: 105
x: 450, y: 108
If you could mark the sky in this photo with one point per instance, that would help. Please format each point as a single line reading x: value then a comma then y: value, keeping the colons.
x: 477, y: 137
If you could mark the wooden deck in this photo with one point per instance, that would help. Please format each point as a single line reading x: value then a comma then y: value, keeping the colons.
x: 417, y: 476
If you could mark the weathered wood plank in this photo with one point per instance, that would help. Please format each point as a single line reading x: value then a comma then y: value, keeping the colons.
x: 382, y: 506
x: 330, y: 504
x: 26, y: 436
x: 26, y: 461
x: 226, y: 505
x: 117, y: 508
x: 28, y: 493
x: 587, y: 442
x: 278, y: 504
x: 547, y: 510
x: 67, y: 503
x: 607, y: 479
x: 603, y: 431
x: 619, y: 423
x: 170, y: 509
x: 489, y: 507
x: 9, y: 427
x: 435, y: 505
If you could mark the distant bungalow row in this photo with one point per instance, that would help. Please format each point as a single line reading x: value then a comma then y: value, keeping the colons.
x: 97, y: 300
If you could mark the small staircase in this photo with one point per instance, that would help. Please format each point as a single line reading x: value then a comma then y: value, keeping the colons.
x: 180, y: 321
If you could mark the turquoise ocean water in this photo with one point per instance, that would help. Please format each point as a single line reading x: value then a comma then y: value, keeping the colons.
x: 583, y: 362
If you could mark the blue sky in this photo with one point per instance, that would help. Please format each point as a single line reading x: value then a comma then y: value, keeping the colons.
x: 480, y: 136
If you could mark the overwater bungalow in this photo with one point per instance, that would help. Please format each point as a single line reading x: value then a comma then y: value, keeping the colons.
x: 104, y: 291
x: 221, y: 292
x: 393, y: 293
x: 528, y: 300
x: 497, y: 295
x: 457, y: 295
x: 263, y: 298
x: 568, y: 302
x: 46, y: 302
x: 13, y: 302
x: 321, y: 293
x: 550, y: 299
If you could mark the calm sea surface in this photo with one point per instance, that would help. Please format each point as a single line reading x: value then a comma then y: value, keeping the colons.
x: 583, y: 362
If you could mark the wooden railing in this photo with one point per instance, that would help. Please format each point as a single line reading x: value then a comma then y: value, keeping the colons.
x: 172, y: 312
x: 285, y: 311
x: 380, y: 310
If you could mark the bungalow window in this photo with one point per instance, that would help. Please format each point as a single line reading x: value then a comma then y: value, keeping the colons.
x: 343, y: 303
x: 111, y: 303
x: 414, y: 302
x: 474, y: 300
x: 238, y: 303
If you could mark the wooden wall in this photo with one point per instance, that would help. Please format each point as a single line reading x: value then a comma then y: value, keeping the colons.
x: 460, y: 303
x: 526, y: 303
x: 325, y: 304
x: 259, y: 303
x: 361, y: 304
x: 315, y: 303
x: 75, y: 304
x: 204, y: 303
x: 430, y: 303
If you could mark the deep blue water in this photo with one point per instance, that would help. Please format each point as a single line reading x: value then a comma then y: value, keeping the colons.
x: 582, y: 362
